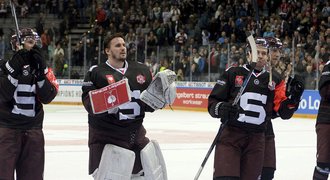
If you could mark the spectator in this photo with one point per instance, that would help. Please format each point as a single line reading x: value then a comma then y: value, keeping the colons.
x: 310, y: 78
x: 175, y: 14
x: 180, y: 39
x: 58, y: 59
x: 3, y: 9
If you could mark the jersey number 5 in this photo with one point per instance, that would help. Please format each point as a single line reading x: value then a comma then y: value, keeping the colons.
x: 130, y: 106
x: 253, y: 105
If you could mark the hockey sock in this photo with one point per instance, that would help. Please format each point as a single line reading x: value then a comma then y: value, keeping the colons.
x: 267, y: 173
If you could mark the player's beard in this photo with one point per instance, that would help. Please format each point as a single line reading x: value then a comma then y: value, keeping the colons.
x: 119, y: 57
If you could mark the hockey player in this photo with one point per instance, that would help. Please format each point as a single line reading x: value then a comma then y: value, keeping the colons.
x: 25, y: 85
x: 240, y: 149
x: 118, y: 147
x: 269, y: 166
x: 322, y: 169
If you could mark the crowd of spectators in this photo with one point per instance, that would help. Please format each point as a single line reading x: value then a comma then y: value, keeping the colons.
x: 213, y: 33
x: 199, y: 39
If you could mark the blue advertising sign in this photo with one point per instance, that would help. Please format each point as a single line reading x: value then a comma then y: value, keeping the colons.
x: 310, y: 102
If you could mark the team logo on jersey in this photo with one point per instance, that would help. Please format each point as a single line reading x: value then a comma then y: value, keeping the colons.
x: 256, y: 82
x: 141, y: 79
x: 110, y: 79
x: 239, y: 81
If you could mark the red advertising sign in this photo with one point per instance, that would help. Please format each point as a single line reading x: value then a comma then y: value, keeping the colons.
x: 192, y: 98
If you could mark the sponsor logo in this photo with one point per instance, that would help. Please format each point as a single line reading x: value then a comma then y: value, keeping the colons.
x: 111, y: 97
x: 9, y: 68
x: 26, y: 70
x: 326, y: 73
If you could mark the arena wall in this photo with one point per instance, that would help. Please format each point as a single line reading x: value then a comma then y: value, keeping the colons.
x: 190, y: 96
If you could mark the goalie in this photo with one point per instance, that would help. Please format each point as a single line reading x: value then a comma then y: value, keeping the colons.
x: 116, y: 95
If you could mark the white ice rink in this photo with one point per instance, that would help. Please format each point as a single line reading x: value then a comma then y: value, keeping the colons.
x: 184, y: 138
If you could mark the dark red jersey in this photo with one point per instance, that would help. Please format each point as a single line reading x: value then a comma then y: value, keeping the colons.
x: 21, y: 99
x: 324, y: 89
x: 258, y: 101
x: 128, y: 116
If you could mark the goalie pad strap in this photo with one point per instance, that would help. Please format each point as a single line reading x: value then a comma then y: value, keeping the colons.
x: 116, y: 163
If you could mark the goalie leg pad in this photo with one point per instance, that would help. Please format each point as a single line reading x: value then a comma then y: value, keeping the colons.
x: 116, y: 163
x: 153, y: 162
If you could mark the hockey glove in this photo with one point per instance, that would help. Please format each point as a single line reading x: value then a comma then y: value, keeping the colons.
x: 161, y: 91
x: 295, y: 88
x: 38, y: 63
x: 14, y: 66
x: 287, y: 108
x: 228, y: 112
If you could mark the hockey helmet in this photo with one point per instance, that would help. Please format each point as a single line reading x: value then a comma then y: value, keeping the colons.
x: 262, y: 42
x: 274, y: 43
x: 26, y: 34
x: 266, y: 42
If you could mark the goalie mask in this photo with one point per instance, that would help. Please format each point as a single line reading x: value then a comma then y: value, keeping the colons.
x: 27, y: 35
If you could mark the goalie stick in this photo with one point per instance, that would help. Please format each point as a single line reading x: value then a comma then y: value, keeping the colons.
x: 238, y: 96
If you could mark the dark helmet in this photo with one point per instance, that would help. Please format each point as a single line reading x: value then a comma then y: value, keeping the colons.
x: 25, y: 34
x: 267, y: 42
x: 274, y: 43
x: 260, y: 41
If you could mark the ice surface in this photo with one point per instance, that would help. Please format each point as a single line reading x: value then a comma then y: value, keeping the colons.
x: 184, y: 138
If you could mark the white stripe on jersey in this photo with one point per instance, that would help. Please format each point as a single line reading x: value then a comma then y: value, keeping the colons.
x: 27, y: 100
x: 29, y: 113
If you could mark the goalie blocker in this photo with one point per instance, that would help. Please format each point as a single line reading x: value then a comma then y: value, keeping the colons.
x: 161, y: 91
x: 109, y: 97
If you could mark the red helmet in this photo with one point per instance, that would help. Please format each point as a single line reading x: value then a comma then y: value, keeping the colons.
x: 25, y: 34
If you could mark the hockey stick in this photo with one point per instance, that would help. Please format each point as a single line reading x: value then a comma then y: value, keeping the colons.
x: 238, y: 96
x: 291, y: 75
x: 13, y: 12
x: 316, y: 57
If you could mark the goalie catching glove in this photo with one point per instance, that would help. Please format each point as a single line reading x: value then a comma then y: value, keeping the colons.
x: 161, y: 91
